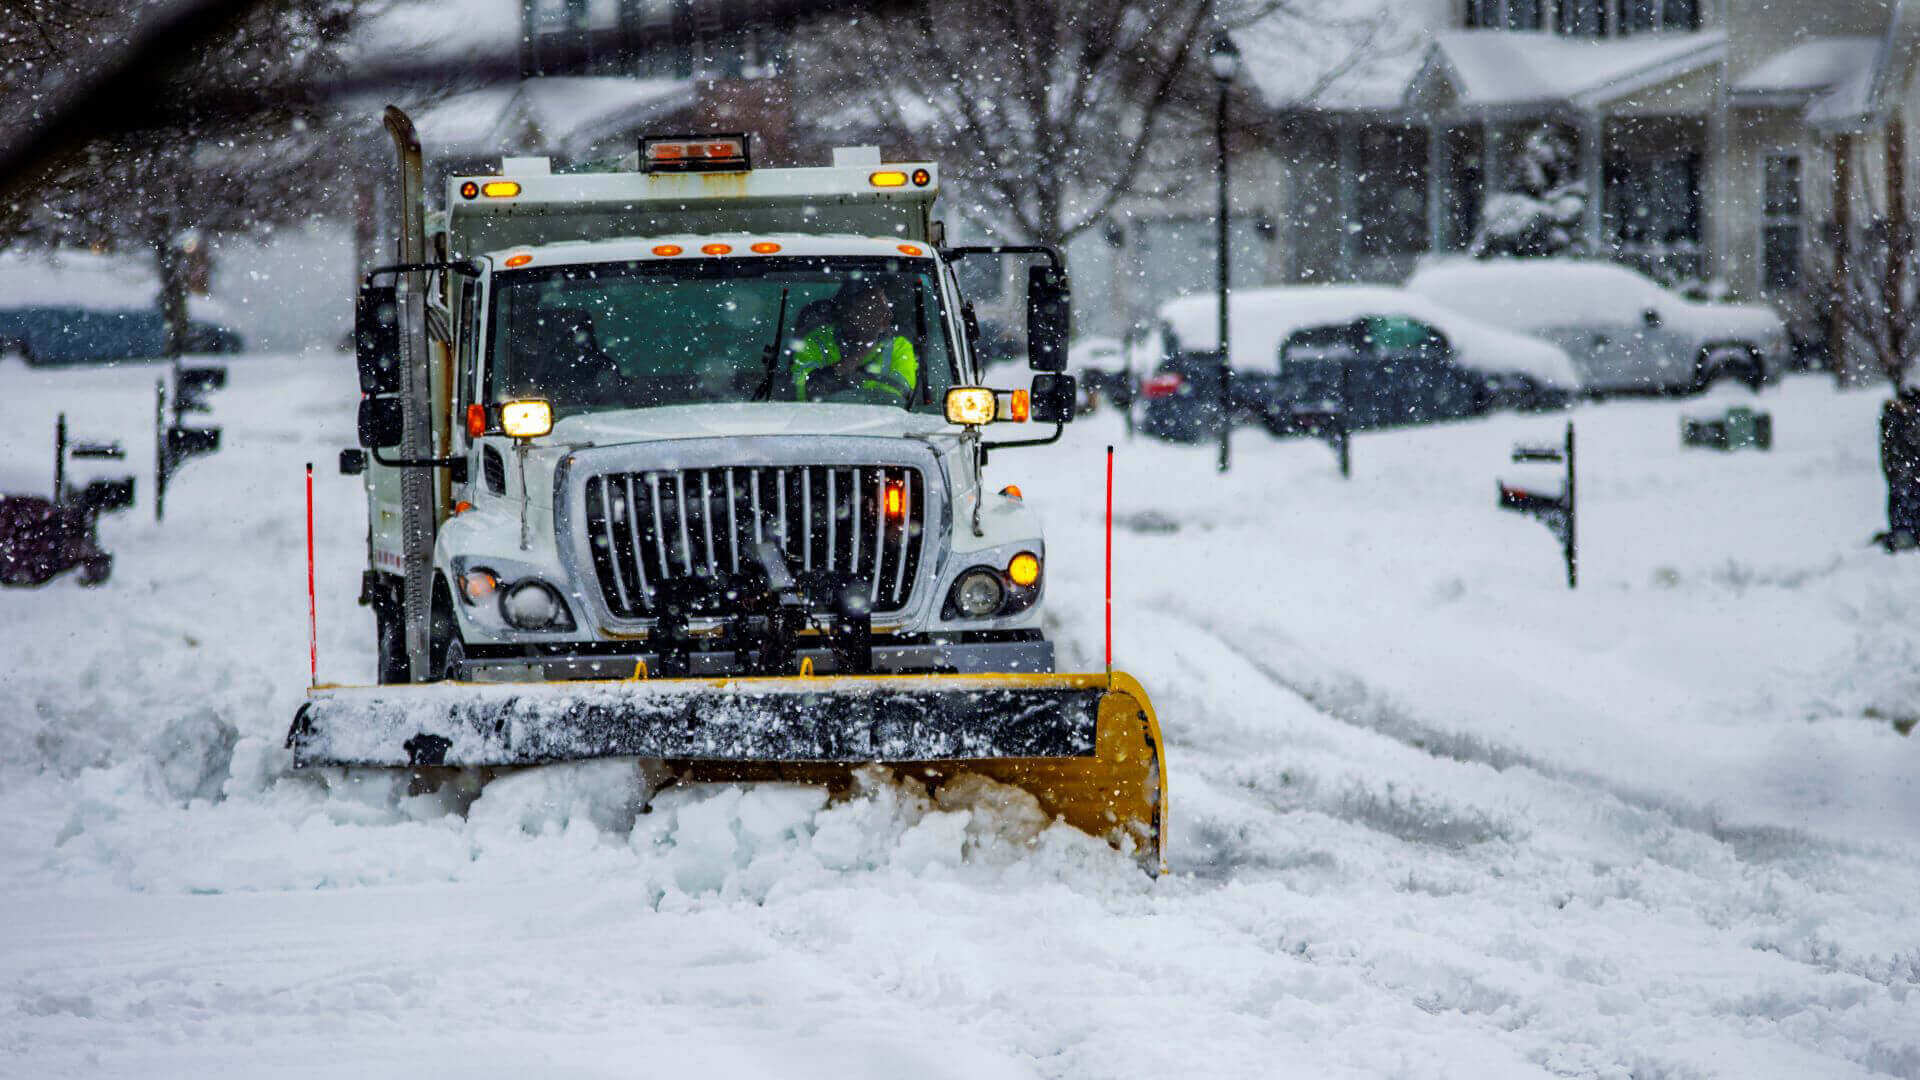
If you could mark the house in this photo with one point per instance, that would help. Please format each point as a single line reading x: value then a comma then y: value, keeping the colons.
x: 1718, y: 140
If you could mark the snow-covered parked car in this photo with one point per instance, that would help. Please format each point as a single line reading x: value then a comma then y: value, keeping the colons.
x: 1415, y: 360
x: 1100, y: 366
x: 1622, y: 329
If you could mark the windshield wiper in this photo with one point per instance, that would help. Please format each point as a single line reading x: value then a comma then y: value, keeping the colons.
x: 772, y: 358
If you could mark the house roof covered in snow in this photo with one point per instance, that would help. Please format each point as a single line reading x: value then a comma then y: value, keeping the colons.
x: 1813, y: 65
x: 552, y: 114
x: 1862, y: 99
x: 1488, y: 68
x: 1351, y: 56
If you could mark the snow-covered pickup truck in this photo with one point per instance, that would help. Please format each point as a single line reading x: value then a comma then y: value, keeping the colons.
x: 1622, y: 329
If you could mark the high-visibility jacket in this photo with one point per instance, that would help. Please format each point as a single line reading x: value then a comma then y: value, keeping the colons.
x: 889, y: 368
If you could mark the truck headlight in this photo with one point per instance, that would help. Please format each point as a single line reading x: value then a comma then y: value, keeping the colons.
x: 533, y: 605
x: 978, y: 593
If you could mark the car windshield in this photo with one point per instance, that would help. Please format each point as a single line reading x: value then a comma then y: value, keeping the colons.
x: 641, y: 335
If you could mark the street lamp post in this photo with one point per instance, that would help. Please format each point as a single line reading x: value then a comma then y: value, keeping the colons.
x: 1224, y: 58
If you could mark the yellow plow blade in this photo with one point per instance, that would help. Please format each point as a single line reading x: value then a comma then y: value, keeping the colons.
x: 1088, y: 749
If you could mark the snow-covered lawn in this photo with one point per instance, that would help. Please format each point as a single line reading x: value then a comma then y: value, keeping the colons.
x: 1434, y: 815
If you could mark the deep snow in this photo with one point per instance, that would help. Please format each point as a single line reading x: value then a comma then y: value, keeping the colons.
x: 1433, y: 815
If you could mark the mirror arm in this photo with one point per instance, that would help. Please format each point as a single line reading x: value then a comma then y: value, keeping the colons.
x: 417, y: 462
x: 1059, y: 428
x: 1052, y: 256
x: 470, y: 267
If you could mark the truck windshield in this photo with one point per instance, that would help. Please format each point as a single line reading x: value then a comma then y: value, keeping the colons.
x: 639, y: 335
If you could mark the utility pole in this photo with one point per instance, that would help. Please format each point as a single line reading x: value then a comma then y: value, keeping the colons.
x: 1224, y: 57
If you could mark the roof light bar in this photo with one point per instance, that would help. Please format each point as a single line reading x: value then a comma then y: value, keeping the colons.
x: 695, y: 153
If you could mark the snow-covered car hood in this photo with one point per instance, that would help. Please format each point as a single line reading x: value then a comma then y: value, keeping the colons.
x: 1748, y: 322
x: 740, y: 419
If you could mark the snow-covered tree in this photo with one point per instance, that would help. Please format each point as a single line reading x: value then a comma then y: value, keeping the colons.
x: 1539, y: 211
x: 1044, y: 113
x: 260, y: 154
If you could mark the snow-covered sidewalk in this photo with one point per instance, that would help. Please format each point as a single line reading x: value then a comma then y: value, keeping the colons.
x: 1433, y: 814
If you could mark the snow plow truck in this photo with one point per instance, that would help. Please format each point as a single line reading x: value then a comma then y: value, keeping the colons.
x: 686, y: 461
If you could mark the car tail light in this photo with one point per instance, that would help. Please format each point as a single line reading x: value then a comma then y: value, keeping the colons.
x: 1164, y: 385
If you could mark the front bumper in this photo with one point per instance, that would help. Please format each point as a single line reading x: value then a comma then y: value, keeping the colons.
x: 951, y: 658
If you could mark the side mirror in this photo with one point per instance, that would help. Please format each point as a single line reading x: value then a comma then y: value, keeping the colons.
x: 380, y: 422
x: 1053, y: 398
x: 1048, y: 319
x: 353, y: 462
x: 1651, y: 317
x: 376, y: 339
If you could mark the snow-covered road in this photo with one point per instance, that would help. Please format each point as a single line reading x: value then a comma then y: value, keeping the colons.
x: 1434, y: 815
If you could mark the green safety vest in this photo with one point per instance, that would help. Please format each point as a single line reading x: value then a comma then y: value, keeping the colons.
x: 888, y: 369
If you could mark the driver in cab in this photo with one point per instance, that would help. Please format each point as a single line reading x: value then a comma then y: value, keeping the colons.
x: 862, y: 358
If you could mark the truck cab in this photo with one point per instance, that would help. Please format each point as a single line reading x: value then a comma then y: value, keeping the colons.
x: 693, y: 418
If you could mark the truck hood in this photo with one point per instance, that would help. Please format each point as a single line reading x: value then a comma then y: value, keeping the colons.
x: 742, y: 419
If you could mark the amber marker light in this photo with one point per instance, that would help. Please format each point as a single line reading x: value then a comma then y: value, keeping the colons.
x: 667, y: 250
x: 519, y: 260
x: 477, y: 585
x: 717, y: 249
x: 889, y: 178
x: 910, y: 249
x: 500, y: 189
x: 526, y: 419
x: 1020, y: 404
x: 970, y: 405
x: 1024, y: 570
x: 476, y: 420
x: 764, y: 247
x: 895, y: 500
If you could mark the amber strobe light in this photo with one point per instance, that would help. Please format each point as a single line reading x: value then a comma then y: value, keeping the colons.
x: 500, y: 189
x: 895, y: 500
x: 526, y: 419
x: 888, y: 178
x: 970, y: 405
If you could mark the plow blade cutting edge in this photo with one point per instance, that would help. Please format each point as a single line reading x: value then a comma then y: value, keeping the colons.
x: 1089, y: 751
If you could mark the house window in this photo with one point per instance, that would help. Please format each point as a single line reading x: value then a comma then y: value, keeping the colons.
x: 1622, y: 18
x: 1654, y: 213
x: 1504, y: 14
x: 1639, y: 16
x: 1782, y: 224
x: 1390, y: 191
x: 1680, y: 14
x: 1580, y: 18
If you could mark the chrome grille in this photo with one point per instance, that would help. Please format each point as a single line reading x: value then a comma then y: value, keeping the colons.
x: 646, y: 528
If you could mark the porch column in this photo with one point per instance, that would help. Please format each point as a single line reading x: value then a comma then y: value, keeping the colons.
x: 1348, y: 164
x: 1436, y: 185
x: 1593, y: 131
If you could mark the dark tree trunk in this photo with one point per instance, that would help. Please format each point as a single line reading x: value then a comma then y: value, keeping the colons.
x: 175, y: 278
